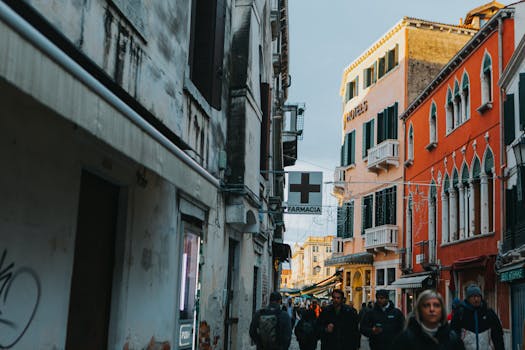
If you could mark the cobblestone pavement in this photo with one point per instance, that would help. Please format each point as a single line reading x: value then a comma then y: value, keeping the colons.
x: 295, y: 346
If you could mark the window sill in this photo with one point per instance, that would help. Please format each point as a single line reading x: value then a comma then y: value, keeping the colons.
x: 467, y: 239
x: 194, y: 92
x: 347, y: 167
x: 409, y: 163
x: 484, y: 107
x: 431, y: 146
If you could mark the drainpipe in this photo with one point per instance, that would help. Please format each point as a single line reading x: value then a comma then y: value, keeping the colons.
x: 502, y: 148
x: 13, y: 20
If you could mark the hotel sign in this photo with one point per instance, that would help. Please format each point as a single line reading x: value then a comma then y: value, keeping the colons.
x: 357, y: 111
x: 512, y: 275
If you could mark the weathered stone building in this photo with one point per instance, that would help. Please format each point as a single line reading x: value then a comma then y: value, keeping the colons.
x: 140, y: 202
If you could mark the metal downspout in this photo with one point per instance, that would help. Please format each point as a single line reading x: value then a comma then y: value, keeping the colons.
x: 12, y: 19
x: 502, y: 147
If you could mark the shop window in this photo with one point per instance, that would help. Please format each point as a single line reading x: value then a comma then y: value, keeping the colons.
x: 380, y: 277
x: 391, y: 275
x: 189, y: 274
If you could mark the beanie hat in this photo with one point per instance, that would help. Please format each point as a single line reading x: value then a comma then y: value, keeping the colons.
x: 382, y: 293
x: 473, y: 290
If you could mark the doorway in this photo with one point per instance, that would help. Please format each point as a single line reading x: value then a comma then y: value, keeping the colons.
x: 230, y: 317
x: 90, y: 295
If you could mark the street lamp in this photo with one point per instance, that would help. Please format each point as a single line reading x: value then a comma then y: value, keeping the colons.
x: 519, y: 151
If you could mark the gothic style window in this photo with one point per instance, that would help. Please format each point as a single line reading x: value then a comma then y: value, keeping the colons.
x: 449, y: 107
x: 465, y: 96
x: 487, y: 193
x: 475, y: 197
x: 432, y: 222
x: 410, y: 155
x: 457, y: 105
x: 454, y: 207
x: 464, y: 204
x: 408, y: 243
x: 433, y: 126
x: 486, y: 80
x: 444, y: 210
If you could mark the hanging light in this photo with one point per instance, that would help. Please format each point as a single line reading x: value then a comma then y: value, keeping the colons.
x: 519, y: 151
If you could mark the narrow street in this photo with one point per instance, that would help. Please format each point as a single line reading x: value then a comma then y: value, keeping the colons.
x: 295, y: 345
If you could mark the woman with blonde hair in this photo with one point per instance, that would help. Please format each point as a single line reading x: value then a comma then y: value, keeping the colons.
x: 427, y: 327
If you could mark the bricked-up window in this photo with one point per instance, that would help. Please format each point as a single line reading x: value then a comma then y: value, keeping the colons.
x: 207, y: 48
x: 380, y: 277
x: 348, y: 149
x: 368, y: 137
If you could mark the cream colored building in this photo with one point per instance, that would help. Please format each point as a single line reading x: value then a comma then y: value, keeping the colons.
x: 375, y: 89
x: 308, y: 261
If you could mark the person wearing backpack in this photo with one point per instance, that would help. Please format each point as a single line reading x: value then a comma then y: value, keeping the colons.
x: 271, y: 328
x: 338, y: 325
x: 306, y: 330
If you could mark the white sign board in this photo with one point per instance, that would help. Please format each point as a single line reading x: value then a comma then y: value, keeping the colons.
x: 305, y: 192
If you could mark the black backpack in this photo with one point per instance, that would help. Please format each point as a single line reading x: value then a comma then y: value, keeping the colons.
x: 268, y: 329
x: 308, y: 331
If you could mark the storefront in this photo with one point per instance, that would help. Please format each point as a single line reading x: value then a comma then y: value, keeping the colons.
x: 515, y: 276
x: 411, y: 286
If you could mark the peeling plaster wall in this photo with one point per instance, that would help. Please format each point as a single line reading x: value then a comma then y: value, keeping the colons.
x: 38, y: 216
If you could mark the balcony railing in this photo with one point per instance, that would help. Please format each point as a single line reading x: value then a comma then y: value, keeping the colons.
x: 383, y: 155
x: 382, y: 237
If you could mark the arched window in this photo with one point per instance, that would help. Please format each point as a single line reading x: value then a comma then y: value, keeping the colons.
x: 453, y: 206
x: 432, y: 222
x: 432, y: 122
x: 465, y: 96
x: 475, y: 197
x: 449, y: 107
x: 445, y: 210
x: 408, y: 238
x: 410, y: 155
x: 457, y: 105
x: 464, y: 205
x: 487, y: 193
x: 486, y: 79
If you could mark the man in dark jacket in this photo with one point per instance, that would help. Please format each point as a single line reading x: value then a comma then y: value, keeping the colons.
x: 271, y: 327
x: 478, y: 325
x: 338, y: 325
x: 383, y: 323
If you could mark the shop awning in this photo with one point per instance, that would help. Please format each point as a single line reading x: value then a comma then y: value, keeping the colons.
x: 281, y: 251
x: 410, y: 282
x: 357, y: 258
x: 320, y: 286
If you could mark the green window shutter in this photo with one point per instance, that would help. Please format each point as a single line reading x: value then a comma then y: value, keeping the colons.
x: 381, y: 67
x: 342, y: 155
x: 396, y: 55
x: 363, y: 215
x: 340, y: 221
x: 351, y: 150
x: 380, y: 127
x: 350, y: 220
x: 449, y: 96
x: 366, y: 78
x: 394, y: 121
x: 465, y: 82
x: 356, y: 92
x: 365, y: 139
x: 345, y: 151
x: 371, y: 134
x: 508, y: 119
x: 521, y: 102
x: 456, y: 88
x: 374, y: 72
x: 379, y: 208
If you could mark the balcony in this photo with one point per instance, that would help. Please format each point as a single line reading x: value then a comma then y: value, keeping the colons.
x: 383, y: 155
x: 381, y: 237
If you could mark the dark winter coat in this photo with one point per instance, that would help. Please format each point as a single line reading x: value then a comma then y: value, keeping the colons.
x: 479, y: 328
x: 414, y: 338
x: 346, y: 332
x: 391, y: 321
x: 284, y: 328
x: 307, y: 331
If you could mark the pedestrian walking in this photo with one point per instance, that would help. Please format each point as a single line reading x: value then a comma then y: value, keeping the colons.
x: 363, y: 311
x: 338, y: 325
x: 427, y: 327
x: 270, y: 328
x: 477, y: 324
x: 306, y: 331
x: 383, y: 323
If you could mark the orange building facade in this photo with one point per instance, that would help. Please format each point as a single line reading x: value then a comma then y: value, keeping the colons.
x: 453, y: 180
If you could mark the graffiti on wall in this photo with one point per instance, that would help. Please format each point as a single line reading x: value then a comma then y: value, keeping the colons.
x: 19, y: 299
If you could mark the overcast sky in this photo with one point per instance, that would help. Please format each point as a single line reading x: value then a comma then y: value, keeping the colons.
x: 325, y: 37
